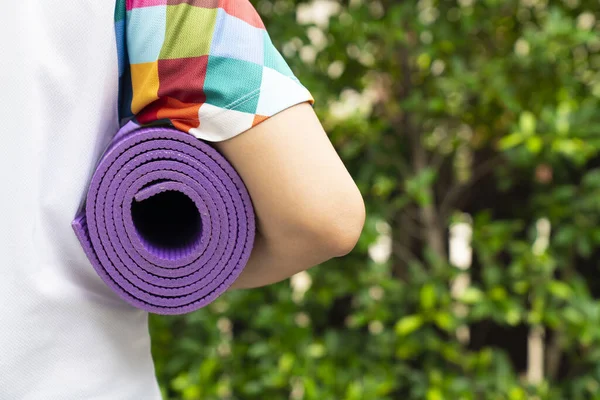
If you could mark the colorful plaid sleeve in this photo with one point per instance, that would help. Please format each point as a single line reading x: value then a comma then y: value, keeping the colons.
x: 207, y: 67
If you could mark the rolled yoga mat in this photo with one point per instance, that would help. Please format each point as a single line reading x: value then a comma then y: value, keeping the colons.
x: 168, y: 223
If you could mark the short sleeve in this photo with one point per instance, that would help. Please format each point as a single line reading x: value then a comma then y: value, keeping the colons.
x: 207, y: 67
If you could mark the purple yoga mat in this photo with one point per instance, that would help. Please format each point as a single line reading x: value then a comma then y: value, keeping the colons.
x: 168, y: 223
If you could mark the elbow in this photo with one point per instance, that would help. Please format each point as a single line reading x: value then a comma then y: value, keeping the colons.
x: 345, y: 238
x: 337, y: 229
x: 318, y: 228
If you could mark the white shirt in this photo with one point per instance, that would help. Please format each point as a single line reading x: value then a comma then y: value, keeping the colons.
x: 63, y: 333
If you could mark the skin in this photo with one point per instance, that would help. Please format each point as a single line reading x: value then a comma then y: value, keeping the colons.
x: 308, y: 208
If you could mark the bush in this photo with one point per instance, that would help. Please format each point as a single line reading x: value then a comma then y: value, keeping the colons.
x: 476, y: 117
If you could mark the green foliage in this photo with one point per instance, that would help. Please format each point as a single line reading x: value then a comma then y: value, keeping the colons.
x: 489, y: 108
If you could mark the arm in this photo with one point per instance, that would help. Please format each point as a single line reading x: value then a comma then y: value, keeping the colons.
x: 308, y: 208
x: 212, y: 80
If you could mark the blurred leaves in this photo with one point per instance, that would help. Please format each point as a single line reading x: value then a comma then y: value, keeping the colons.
x: 485, y: 107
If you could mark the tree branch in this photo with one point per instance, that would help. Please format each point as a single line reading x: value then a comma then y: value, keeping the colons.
x: 410, y: 226
x: 554, y: 350
x: 454, y: 194
x: 433, y: 231
x: 403, y: 253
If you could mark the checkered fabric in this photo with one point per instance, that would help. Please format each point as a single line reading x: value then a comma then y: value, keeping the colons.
x: 207, y: 67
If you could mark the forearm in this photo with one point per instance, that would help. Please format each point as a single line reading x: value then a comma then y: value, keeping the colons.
x: 307, y: 207
x: 282, y: 251
x: 272, y: 262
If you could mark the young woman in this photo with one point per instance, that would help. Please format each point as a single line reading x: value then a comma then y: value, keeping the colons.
x: 206, y: 67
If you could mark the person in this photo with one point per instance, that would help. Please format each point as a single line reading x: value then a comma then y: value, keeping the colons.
x: 72, y: 74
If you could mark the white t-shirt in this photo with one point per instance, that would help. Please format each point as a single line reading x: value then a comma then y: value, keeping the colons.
x: 63, y: 333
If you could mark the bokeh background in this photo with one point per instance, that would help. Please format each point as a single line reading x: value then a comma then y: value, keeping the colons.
x: 472, y: 128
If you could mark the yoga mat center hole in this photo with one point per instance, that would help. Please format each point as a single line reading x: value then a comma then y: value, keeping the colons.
x: 167, y: 221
